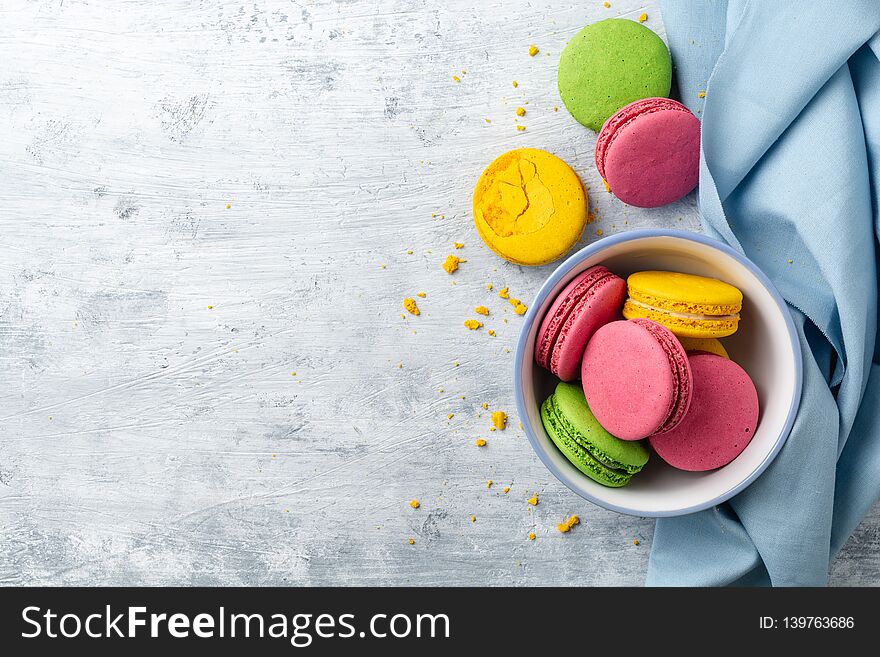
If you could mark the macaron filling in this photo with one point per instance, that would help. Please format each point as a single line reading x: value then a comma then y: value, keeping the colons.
x: 681, y: 395
x: 682, y: 315
x: 615, y: 125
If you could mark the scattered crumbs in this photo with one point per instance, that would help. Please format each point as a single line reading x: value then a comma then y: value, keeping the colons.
x: 293, y: 374
x: 600, y: 232
x: 473, y: 518
x: 505, y: 490
x: 480, y: 442
x: 433, y: 215
x: 463, y: 72
x: 411, y: 541
x: 455, y: 364
x: 607, y: 186
x: 458, y: 245
x: 450, y: 265
x: 533, y: 50
x: 499, y: 420
x: 228, y: 206
x: 485, y: 406
x: 643, y: 18
x: 489, y: 286
x: 400, y: 366
x: 701, y: 94
x: 382, y: 265
x: 520, y: 128
x: 506, y: 351
x: 607, y: 5
x: 520, y: 309
x: 489, y: 484
x: 481, y: 310
x: 533, y: 500
x: 286, y: 510
x: 409, y: 252
x: 532, y: 536
x: 492, y: 429
x: 790, y: 261
x: 472, y: 324
x: 504, y: 319
x: 456, y: 78
x: 415, y: 504
x: 503, y: 293
x: 520, y: 111
x: 515, y: 84
x: 491, y: 332
x: 450, y: 416
x: 635, y: 541
x: 591, y: 216
x: 210, y: 307
x: 520, y: 426
x: 488, y: 120
x: 421, y: 294
x: 410, y: 306
x: 566, y: 526
x: 462, y: 396
x: 556, y: 108
x: 563, y: 527
x: 402, y: 316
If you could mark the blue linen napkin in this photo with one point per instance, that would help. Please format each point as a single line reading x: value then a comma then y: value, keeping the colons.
x: 790, y: 175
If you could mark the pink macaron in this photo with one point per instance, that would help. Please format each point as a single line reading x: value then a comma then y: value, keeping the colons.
x: 721, y: 421
x: 636, y: 378
x: 591, y: 300
x: 649, y: 152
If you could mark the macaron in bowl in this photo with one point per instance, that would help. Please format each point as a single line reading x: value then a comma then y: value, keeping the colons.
x: 648, y: 152
x: 765, y: 346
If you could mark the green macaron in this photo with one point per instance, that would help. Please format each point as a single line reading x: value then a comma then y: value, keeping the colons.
x: 582, y: 440
x: 610, y: 64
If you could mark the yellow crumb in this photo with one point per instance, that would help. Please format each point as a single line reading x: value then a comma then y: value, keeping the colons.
x: 492, y: 429
x: 480, y: 442
x: 533, y: 500
x: 382, y: 266
x: 499, y: 420
x: 472, y: 324
x: 293, y: 374
x: 411, y: 541
x: 410, y: 306
x: 555, y: 108
x: 491, y: 332
x: 489, y: 484
x: 563, y: 527
x: 533, y: 50
x: 488, y: 120
x: 607, y: 5
x: 456, y: 78
x: 421, y: 294
x: 455, y: 364
x: 450, y: 416
x: 481, y: 310
x: 532, y: 536
x: 473, y: 518
x: 572, y: 521
x: 414, y: 504
x: 400, y: 366
x: 607, y: 186
x: 457, y: 245
x: 520, y: 111
x: 643, y: 18
x: 485, y: 406
x: 515, y: 84
x: 520, y: 128
x: 450, y: 265
x: 600, y: 232
x: 790, y: 261
x: 505, y: 490
x: 635, y: 541
x: 520, y: 309
x: 228, y: 205
x: 210, y: 307
x: 701, y: 94
x: 503, y: 293
x: 489, y: 286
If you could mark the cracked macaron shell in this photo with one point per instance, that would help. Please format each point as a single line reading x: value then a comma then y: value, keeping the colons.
x: 592, y: 299
x: 688, y: 305
x: 610, y: 64
x: 636, y: 378
x: 582, y: 440
x: 529, y: 207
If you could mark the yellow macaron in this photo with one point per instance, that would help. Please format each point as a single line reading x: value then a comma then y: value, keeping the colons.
x: 689, y: 306
x: 709, y: 345
x: 530, y: 207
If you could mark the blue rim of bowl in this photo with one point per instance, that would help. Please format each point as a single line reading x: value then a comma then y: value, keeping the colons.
x: 562, y: 271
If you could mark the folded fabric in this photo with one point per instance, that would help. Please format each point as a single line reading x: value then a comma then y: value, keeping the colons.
x: 790, y: 175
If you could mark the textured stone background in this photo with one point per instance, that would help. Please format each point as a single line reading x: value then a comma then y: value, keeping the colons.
x: 152, y: 430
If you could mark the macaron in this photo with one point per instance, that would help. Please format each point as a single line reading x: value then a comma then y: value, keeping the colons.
x: 610, y: 64
x: 689, y: 306
x: 582, y: 440
x: 721, y: 421
x: 704, y: 345
x: 591, y: 300
x: 649, y: 152
x: 636, y: 378
x: 530, y: 207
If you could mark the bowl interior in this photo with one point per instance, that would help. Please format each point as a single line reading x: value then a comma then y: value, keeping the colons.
x: 763, y: 346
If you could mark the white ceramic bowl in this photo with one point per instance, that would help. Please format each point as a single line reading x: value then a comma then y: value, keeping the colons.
x: 766, y: 346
